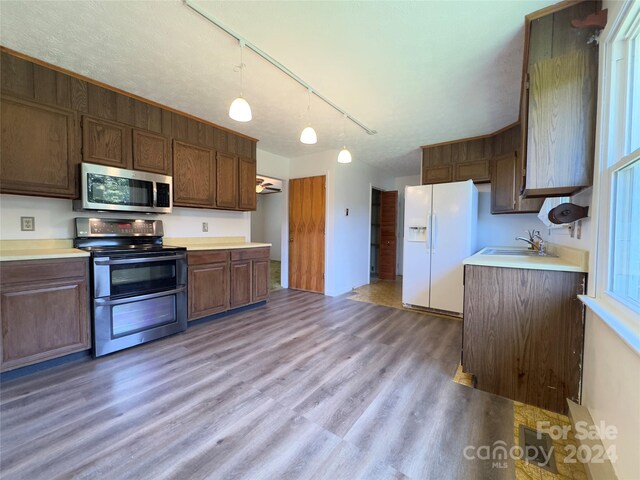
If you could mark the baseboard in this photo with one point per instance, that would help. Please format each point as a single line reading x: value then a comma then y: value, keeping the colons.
x: 595, y: 471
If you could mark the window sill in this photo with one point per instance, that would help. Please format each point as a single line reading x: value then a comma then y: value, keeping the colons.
x: 622, y: 321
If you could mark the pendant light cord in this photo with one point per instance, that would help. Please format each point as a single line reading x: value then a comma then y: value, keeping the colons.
x: 242, y: 68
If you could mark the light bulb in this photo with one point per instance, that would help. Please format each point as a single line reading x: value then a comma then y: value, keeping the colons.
x: 240, y: 111
x: 344, y: 156
x: 308, y: 136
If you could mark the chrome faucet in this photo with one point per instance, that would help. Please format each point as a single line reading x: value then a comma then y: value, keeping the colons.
x: 535, y: 241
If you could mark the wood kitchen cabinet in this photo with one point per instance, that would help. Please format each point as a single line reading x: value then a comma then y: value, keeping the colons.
x: 151, y: 152
x: 106, y: 143
x: 53, y: 119
x: 523, y: 334
x: 220, y: 280
x: 209, y: 279
x: 247, y: 183
x: 227, y: 181
x: 194, y: 175
x: 39, y: 149
x: 44, y: 310
x: 505, y: 196
x: 558, y: 101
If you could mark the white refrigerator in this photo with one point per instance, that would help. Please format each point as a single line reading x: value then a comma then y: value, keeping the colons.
x: 439, y: 233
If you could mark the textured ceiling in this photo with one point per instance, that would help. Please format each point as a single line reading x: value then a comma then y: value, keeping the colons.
x: 417, y: 72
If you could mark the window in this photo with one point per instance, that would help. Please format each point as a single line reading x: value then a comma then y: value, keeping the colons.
x: 615, y: 267
x: 624, y: 279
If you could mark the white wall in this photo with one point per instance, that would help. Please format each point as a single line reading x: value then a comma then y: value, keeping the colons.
x: 258, y: 221
x: 266, y: 222
x: 54, y: 220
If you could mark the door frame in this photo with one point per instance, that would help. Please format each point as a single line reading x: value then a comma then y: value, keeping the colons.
x: 371, y: 187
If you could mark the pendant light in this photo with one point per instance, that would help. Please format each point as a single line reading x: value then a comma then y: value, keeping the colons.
x: 308, y: 135
x: 240, y: 111
x: 345, y: 155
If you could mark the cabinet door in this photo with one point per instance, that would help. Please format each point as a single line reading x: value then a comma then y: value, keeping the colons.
x: 39, y: 149
x: 503, y: 184
x: 208, y: 289
x: 260, y: 280
x: 151, y: 152
x: 193, y: 175
x: 106, y: 143
x: 247, y: 174
x: 42, y: 319
x: 227, y: 181
x: 241, y: 285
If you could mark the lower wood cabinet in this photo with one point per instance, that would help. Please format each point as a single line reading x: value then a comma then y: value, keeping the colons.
x: 523, y: 334
x: 220, y: 280
x: 44, y: 311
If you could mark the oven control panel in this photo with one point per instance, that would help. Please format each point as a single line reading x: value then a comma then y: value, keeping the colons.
x: 112, y: 227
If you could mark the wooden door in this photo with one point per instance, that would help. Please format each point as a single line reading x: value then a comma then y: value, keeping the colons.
x: 106, y: 143
x: 503, y: 183
x: 193, y: 175
x: 38, y: 149
x: 247, y: 187
x: 227, y: 181
x: 151, y: 152
x: 388, y: 241
x: 306, y: 233
x: 208, y: 289
x: 241, y: 286
x: 260, y: 280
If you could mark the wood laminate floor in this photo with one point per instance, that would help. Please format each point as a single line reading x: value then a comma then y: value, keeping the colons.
x: 307, y: 387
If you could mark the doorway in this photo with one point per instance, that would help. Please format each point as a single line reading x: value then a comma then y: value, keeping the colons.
x: 384, y: 214
x: 307, y: 233
x: 266, y: 223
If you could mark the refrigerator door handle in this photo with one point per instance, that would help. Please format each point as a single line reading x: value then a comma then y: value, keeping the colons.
x: 434, y: 232
x: 428, y: 233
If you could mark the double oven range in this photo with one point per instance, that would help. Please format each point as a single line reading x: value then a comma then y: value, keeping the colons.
x: 139, y: 285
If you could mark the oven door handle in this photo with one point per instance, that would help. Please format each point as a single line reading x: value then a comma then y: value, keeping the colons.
x: 140, y: 260
x: 103, y: 301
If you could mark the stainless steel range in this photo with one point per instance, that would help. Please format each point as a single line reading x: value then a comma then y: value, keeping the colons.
x: 139, y: 285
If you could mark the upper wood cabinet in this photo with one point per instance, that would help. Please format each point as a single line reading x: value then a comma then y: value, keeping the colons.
x: 106, y: 143
x: 247, y: 187
x: 503, y: 183
x: 194, y: 175
x: 227, y: 181
x: 151, y: 152
x: 38, y: 148
x: 459, y: 160
x: 44, y: 310
x: 558, y: 101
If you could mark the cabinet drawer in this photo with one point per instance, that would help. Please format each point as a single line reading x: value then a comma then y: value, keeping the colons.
x: 22, y: 271
x: 204, y: 257
x: 249, y: 253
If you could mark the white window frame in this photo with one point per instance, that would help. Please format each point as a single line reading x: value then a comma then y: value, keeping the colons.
x: 612, y: 142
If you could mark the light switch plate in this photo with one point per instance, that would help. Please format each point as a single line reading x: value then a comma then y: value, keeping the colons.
x: 27, y: 224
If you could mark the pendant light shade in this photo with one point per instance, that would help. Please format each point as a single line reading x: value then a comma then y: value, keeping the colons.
x: 344, y: 156
x: 240, y: 111
x: 308, y: 136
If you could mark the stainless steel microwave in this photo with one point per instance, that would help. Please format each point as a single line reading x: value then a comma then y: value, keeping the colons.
x: 117, y: 189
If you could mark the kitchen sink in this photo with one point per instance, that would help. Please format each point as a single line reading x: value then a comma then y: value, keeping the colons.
x: 518, y: 252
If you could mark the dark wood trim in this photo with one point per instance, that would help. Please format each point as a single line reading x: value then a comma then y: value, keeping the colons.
x: 471, y: 139
x: 118, y: 90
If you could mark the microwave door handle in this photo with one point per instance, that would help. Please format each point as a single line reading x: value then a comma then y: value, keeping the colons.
x: 106, y: 301
x: 155, y: 194
x: 129, y: 261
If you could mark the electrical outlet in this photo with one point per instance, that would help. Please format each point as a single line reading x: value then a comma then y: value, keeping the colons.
x: 579, y: 229
x: 205, y: 226
x: 27, y: 224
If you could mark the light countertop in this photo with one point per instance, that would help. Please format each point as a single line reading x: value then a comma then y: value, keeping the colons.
x: 213, y: 243
x: 12, y: 250
x: 567, y: 259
